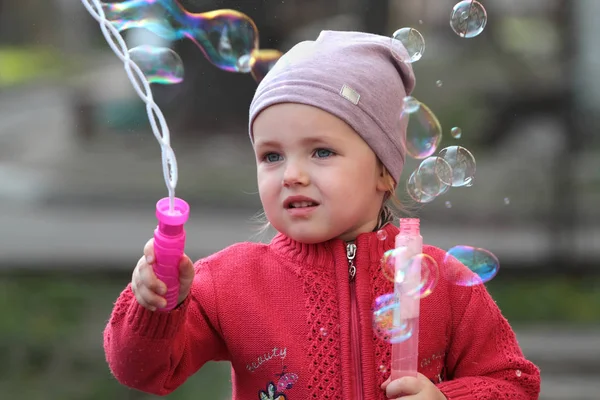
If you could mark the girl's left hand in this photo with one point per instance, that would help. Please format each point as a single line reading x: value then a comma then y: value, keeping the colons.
x: 409, y: 388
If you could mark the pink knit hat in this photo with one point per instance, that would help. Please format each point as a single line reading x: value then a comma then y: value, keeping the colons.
x: 358, y: 77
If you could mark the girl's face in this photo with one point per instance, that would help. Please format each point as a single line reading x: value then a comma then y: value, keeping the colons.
x: 317, y: 178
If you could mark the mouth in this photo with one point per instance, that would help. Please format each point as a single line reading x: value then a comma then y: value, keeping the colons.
x: 302, y: 204
x: 299, y: 202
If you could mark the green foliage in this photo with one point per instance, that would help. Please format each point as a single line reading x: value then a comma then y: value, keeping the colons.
x: 51, y: 337
x: 574, y: 301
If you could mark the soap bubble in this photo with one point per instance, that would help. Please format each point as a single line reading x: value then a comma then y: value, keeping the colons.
x: 387, y: 323
x: 456, y: 132
x: 439, y: 83
x: 413, y: 42
x: 159, y: 64
x: 462, y: 163
x: 381, y: 234
x: 481, y: 265
x: 417, y: 275
x: 448, y: 204
x: 226, y: 37
x: 468, y: 18
x: 423, y: 133
x: 433, y: 176
x: 506, y: 201
x: 415, y: 192
x: 262, y: 61
x: 410, y: 105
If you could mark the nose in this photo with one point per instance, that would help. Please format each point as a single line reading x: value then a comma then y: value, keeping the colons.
x: 295, y: 175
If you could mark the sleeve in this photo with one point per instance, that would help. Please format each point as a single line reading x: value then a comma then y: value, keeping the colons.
x: 156, y: 352
x: 484, y: 360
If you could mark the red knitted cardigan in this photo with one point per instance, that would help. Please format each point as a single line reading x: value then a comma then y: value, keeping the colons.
x: 280, y: 313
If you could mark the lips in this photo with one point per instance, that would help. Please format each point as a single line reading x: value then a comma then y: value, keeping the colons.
x: 294, y: 202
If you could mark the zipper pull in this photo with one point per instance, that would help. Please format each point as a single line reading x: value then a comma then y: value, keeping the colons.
x: 351, y: 253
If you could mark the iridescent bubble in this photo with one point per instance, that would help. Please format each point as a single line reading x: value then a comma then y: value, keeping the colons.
x: 434, y: 176
x: 159, y: 64
x: 439, y: 83
x: 413, y: 42
x: 323, y: 331
x: 423, y: 134
x: 386, y: 322
x: 262, y: 61
x: 400, y: 270
x: 506, y: 201
x: 468, y: 18
x: 456, y: 132
x: 381, y: 235
x: 448, y: 204
x: 462, y: 163
x: 481, y: 265
x: 415, y: 192
x: 226, y: 37
x: 382, y: 369
x: 518, y: 373
x: 410, y: 105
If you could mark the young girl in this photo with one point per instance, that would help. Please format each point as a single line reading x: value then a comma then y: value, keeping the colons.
x: 294, y: 317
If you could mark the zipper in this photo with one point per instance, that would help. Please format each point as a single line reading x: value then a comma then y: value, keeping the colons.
x: 354, y: 324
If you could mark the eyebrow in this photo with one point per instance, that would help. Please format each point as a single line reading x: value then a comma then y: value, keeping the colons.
x: 306, y: 141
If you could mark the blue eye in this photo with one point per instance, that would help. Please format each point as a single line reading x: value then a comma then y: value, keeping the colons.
x: 271, y: 157
x: 323, y: 153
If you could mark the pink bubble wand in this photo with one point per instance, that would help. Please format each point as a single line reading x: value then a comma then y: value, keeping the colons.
x: 172, y: 212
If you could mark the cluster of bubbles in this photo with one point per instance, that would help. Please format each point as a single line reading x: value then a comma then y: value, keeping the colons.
x: 461, y: 266
x: 452, y: 166
x: 227, y: 38
x: 437, y: 172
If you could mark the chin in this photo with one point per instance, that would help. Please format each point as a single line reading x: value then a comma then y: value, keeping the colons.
x: 307, y: 236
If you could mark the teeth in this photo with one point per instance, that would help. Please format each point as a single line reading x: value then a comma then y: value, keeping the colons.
x: 299, y: 204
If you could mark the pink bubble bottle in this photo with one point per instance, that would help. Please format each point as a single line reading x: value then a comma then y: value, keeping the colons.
x: 409, y: 244
x: 169, y: 244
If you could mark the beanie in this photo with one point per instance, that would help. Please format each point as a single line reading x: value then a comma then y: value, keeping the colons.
x: 360, y: 78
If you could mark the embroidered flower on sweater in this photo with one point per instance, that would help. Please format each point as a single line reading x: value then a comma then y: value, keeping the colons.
x: 286, y: 380
x: 271, y: 394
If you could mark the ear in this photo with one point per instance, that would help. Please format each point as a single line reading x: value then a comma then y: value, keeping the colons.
x: 385, y: 183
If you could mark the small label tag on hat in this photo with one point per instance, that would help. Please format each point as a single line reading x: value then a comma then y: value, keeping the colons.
x: 350, y: 94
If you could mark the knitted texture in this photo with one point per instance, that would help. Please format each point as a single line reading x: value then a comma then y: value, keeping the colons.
x: 280, y: 313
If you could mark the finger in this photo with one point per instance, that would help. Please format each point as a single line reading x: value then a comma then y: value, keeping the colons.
x: 149, y: 279
x: 186, y: 270
x: 404, y: 386
x: 149, y: 251
x: 387, y: 382
x: 410, y: 397
x: 139, y: 291
x: 135, y: 275
x: 150, y: 299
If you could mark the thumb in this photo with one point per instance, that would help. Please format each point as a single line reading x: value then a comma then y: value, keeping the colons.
x: 387, y: 382
x: 186, y: 271
x: 186, y: 277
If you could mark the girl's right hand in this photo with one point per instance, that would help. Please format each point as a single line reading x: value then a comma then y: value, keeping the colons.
x: 149, y: 290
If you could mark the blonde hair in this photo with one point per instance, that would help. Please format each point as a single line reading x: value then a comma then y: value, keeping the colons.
x: 391, y: 209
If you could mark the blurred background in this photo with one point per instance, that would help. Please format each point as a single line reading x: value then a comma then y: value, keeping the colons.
x: 80, y: 174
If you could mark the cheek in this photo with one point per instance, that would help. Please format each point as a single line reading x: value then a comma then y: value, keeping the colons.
x: 267, y: 184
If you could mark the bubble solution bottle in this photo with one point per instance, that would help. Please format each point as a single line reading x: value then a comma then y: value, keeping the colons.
x: 169, y: 243
x: 409, y: 244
